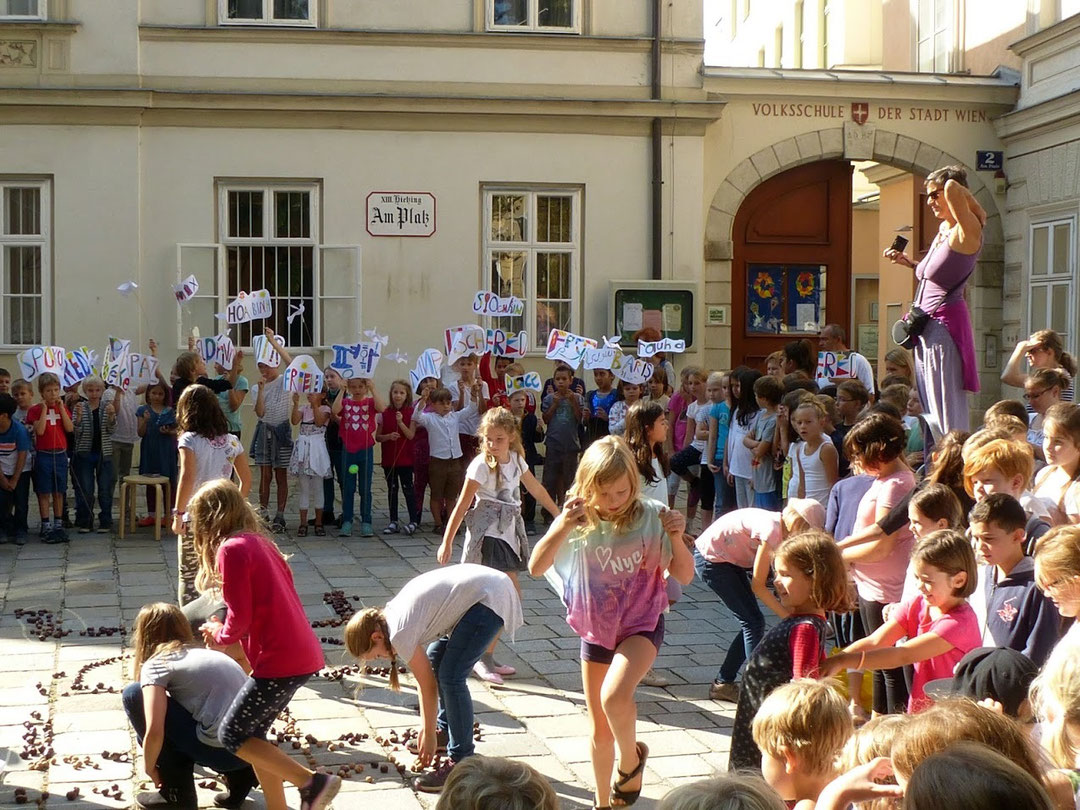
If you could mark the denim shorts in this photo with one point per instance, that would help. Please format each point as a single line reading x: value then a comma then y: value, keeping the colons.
x: 50, y: 472
x: 602, y: 655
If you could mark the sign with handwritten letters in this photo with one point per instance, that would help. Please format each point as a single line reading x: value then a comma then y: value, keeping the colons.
x: 38, y: 360
x: 649, y: 348
x: 833, y: 364
x: 303, y: 376
x: 488, y: 303
x: 462, y: 341
x: 428, y: 364
x: 526, y: 382
x: 186, y: 289
x: 356, y: 361
x: 78, y: 365
x: 568, y: 347
x: 251, y: 306
x: 113, y: 360
x: 600, y: 357
x: 632, y: 370
x: 507, y: 344
x: 141, y: 369
x: 265, y: 352
x: 217, y: 349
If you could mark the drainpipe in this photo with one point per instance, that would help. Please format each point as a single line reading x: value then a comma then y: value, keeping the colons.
x: 657, y: 213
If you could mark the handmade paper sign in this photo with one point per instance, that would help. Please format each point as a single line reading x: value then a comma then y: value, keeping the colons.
x: 833, y: 364
x: 265, y: 352
x: 631, y: 370
x: 648, y: 348
x: 303, y: 376
x: 487, y: 303
x: 186, y: 289
x: 250, y: 307
x: 41, y: 359
x: 357, y: 360
x: 465, y: 340
x: 140, y: 369
x: 568, y: 347
x: 218, y: 349
x: 600, y: 357
x: 112, y: 363
x: 526, y: 382
x: 78, y: 365
x: 428, y: 364
x: 507, y: 344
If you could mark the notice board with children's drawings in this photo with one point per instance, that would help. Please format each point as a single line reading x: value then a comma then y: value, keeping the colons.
x: 667, y: 306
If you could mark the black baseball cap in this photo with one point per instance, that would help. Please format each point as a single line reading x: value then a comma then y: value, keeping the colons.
x: 999, y: 673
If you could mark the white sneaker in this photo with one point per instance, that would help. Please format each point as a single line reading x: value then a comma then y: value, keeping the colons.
x: 652, y: 678
x: 485, y: 674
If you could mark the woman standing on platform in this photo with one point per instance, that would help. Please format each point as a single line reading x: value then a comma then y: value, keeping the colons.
x: 945, y: 365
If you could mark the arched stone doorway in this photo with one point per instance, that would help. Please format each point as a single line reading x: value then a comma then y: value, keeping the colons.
x: 893, y: 149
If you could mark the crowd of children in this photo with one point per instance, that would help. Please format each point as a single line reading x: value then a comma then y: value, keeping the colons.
x: 936, y: 566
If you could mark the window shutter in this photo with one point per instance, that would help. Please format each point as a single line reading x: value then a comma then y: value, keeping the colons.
x: 339, y: 298
x: 203, y: 262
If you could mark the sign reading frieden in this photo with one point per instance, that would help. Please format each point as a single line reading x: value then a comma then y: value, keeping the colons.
x: 400, y: 213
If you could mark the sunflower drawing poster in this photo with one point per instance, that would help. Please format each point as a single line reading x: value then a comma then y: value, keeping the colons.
x: 803, y: 298
x: 763, y: 298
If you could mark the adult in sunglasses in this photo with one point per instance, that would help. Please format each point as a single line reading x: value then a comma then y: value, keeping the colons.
x: 945, y: 365
x: 1044, y: 349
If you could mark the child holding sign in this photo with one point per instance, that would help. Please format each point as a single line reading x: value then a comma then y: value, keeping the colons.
x: 356, y: 412
x: 51, y: 421
x: 95, y: 421
x: 310, y: 459
x: 271, y: 449
x: 396, y: 437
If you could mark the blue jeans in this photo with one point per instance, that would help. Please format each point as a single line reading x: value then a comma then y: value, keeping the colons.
x: 91, y: 468
x: 452, y: 658
x: 732, y: 585
x: 181, y: 744
x: 767, y: 500
x: 365, y: 462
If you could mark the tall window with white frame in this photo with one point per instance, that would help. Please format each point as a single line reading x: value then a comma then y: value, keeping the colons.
x: 934, y: 39
x: 270, y: 235
x: 22, y: 9
x: 1052, y: 296
x: 24, y: 262
x: 532, y: 250
x: 267, y: 12
x: 562, y: 16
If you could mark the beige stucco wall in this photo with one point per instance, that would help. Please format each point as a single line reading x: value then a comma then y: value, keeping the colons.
x: 734, y: 165
x: 896, y: 284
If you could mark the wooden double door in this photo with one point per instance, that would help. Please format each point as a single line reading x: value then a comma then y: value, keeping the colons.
x: 791, y: 267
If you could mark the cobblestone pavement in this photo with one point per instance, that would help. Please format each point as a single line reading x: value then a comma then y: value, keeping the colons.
x: 73, y: 683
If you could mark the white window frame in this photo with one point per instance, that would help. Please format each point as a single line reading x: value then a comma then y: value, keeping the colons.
x: 42, y: 240
x: 268, y: 19
x: 267, y: 240
x: 532, y: 246
x: 533, y: 25
x: 1041, y: 283
x: 42, y: 14
x: 929, y: 31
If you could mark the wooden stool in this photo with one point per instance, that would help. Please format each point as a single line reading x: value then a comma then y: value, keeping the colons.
x: 129, y: 491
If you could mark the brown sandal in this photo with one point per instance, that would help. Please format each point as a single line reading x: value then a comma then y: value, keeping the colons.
x: 319, y: 530
x: 302, y: 531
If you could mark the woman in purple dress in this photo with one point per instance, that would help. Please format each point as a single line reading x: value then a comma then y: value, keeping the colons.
x: 945, y: 366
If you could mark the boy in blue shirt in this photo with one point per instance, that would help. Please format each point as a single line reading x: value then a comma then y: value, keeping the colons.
x: 1011, y: 610
x: 14, y: 486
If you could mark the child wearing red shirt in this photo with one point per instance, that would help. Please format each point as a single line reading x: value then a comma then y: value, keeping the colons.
x: 397, y: 437
x: 356, y: 412
x: 51, y: 422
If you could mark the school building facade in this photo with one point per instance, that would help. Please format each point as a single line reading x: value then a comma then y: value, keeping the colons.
x: 380, y: 163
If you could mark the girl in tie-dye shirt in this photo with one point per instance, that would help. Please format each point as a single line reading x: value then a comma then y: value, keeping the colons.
x: 606, y: 554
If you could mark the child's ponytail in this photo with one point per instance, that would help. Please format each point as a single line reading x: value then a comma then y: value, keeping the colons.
x: 358, y: 632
